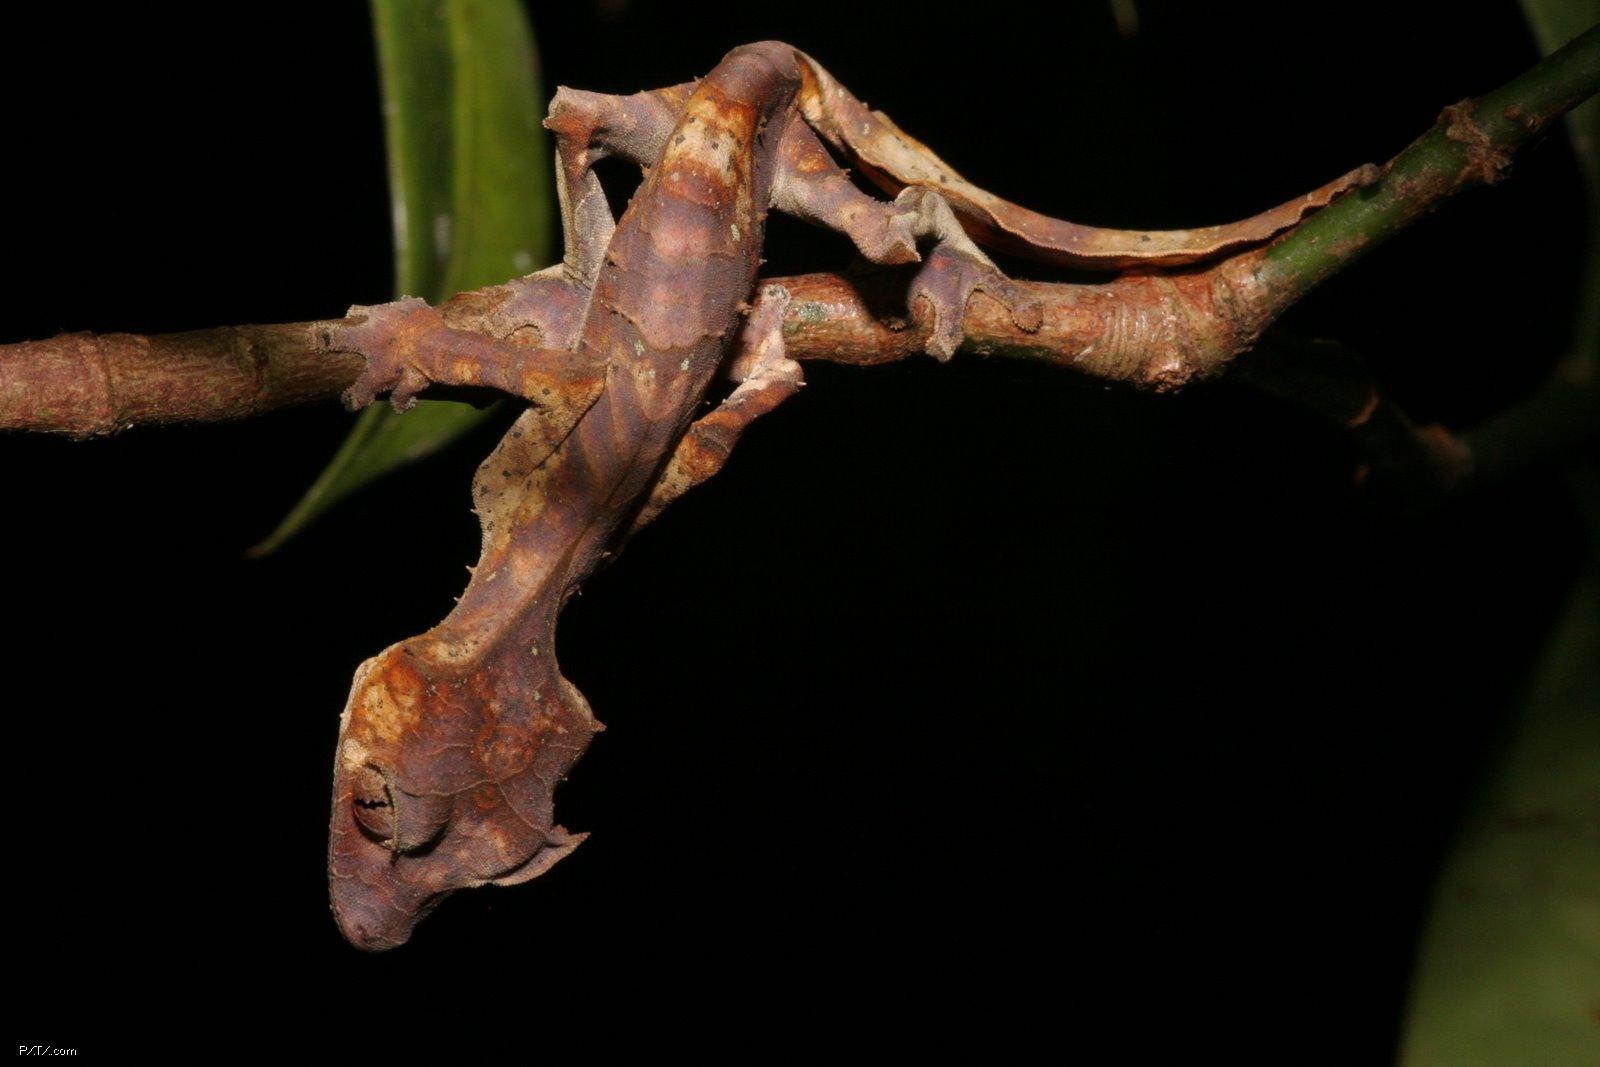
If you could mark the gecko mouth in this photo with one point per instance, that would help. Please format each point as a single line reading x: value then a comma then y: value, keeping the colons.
x: 378, y: 922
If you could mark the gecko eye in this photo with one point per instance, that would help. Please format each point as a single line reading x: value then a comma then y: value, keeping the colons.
x: 373, y: 803
x: 399, y: 821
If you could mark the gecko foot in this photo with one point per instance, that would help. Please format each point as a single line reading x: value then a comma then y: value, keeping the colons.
x: 953, y: 271
x: 947, y: 279
x: 387, y: 336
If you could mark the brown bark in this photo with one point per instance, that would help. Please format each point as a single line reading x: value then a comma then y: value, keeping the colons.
x: 1154, y: 330
x: 85, y: 385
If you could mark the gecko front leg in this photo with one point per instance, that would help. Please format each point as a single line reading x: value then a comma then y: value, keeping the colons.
x: 409, y: 345
x: 766, y: 376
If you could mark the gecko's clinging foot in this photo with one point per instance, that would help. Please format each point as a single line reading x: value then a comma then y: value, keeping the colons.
x: 947, y: 279
x: 952, y: 271
x: 385, y: 335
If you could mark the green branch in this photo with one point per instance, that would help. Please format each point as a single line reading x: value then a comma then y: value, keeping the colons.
x: 1469, y: 145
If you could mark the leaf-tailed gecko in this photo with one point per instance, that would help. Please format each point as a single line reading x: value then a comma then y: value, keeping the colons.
x: 452, y: 742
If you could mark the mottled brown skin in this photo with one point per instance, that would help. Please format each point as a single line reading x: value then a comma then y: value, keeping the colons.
x: 453, y: 742
x: 86, y: 385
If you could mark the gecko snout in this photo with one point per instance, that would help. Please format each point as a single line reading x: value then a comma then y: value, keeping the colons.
x: 374, y: 913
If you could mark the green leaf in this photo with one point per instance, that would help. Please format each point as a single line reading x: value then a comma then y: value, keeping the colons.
x: 1509, y: 971
x: 469, y: 178
x: 1509, y: 966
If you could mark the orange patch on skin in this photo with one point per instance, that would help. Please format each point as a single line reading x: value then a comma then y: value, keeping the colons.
x: 390, y: 705
x: 812, y: 164
x: 720, y: 114
x: 504, y: 752
x: 712, y: 184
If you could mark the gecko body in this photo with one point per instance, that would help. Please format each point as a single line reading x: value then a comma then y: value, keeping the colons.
x: 452, y: 742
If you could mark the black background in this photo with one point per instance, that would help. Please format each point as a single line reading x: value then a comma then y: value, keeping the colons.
x: 970, y: 701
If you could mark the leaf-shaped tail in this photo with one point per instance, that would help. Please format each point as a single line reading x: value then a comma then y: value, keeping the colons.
x: 893, y: 160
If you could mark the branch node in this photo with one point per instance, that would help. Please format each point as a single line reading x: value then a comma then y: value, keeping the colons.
x: 1486, y: 162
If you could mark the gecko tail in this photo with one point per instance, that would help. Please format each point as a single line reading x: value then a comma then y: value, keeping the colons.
x: 893, y: 160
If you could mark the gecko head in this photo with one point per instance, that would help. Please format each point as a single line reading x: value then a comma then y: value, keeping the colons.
x: 443, y: 780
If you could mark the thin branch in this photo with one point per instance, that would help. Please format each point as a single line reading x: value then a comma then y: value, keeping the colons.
x: 1413, y: 465
x: 1145, y: 329
x: 84, y: 384
x: 1401, y: 461
x: 1160, y: 330
x: 1470, y: 144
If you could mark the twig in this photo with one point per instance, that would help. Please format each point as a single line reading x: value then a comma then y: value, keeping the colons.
x: 1412, y: 465
x: 1161, y: 330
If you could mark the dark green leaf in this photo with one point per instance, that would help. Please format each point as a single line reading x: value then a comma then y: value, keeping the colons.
x: 1509, y: 966
x: 1509, y: 970
x: 1555, y: 22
